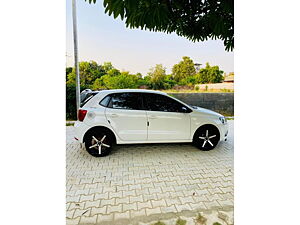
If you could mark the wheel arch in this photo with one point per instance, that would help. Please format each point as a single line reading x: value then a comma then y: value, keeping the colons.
x: 206, y: 124
x: 92, y: 129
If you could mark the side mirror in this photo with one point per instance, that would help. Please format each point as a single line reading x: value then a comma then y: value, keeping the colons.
x: 185, y: 109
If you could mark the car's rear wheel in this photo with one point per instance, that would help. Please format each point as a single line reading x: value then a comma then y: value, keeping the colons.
x: 207, y: 137
x: 99, y: 143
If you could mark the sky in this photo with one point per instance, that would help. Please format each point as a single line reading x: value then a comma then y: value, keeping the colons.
x: 102, y: 38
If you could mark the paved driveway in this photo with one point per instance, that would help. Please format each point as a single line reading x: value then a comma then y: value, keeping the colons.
x: 140, y: 183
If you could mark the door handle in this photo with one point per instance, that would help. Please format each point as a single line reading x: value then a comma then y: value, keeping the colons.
x: 113, y: 115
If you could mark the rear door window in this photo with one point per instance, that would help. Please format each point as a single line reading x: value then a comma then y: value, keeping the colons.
x: 129, y: 101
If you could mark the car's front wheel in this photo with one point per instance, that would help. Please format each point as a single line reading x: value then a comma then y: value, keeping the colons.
x: 99, y: 143
x: 207, y: 137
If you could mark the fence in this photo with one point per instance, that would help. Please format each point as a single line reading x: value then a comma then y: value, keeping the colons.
x: 220, y: 102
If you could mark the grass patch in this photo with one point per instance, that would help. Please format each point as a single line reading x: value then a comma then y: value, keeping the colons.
x: 159, y: 223
x: 69, y: 124
x: 216, y: 223
x: 180, y: 222
x: 201, y: 219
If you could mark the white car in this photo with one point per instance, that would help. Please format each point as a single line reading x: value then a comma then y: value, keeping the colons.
x: 128, y: 116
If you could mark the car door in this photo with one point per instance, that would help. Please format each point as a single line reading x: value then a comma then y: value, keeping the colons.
x: 126, y: 117
x: 168, y: 119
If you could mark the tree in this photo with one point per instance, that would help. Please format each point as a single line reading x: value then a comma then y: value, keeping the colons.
x: 107, y: 66
x: 197, y: 20
x: 210, y: 74
x: 113, y: 72
x: 183, y: 69
x: 68, y: 70
x: 71, y: 109
x: 89, y: 72
x: 157, y: 76
x: 124, y: 80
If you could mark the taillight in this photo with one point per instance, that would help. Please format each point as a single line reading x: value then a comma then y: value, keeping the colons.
x: 81, y: 114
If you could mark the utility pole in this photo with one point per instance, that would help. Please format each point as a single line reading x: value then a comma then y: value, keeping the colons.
x: 76, y: 54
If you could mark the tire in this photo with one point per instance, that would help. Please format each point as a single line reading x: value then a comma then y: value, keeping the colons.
x: 207, y: 137
x: 99, y: 139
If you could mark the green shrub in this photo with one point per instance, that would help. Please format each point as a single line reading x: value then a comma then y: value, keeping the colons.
x: 71, y: 112
x: 159, y: 223
x: 201, y: 219
x: 180, y: 222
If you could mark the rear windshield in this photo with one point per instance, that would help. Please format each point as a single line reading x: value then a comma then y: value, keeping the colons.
x: 88, y: 97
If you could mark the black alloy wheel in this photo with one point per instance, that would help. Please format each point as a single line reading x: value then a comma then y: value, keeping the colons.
x: 207, y: 137
x: 98, y: 143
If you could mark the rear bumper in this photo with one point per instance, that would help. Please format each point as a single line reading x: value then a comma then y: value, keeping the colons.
x: 80, y: 129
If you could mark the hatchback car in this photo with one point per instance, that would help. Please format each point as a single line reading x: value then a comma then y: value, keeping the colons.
x: 121, y: 116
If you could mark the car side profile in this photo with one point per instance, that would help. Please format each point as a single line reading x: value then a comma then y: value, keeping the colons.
x: 131, y: 116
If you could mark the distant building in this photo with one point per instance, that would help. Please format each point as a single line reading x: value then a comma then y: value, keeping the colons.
x: 229, y: 78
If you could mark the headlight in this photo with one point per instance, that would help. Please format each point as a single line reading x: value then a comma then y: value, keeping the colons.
x: 223, y: 119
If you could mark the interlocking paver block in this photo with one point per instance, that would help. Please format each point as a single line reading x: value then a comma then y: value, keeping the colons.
x: 225, y: 202
x: 103, y: 218
x: 86, y: 198
x: 144, y: 191
x: 143, y: 205
x: 165, y: 195
x: 173, y: 201
x: 212, y: 204
x: 129, y: 193
x: 89, y: 204
x: 123, y: 215
x: 99, y: 210
x: 155, y: 190
x: 114, y: 208
x: 226, y: 189
x: 99, y: 196
x: 82, y: 192
x: 70, y: 213
x: 150, y: 197
x: 134, y: 213
x: 73, y: 198
x: 122, y: 200
x: 133, y: 199
x: 115, y: 194
x: 153, y: 211
x: 88, y: 220
x: 123, y: 188
x: 81, y: 212
x: 73, y: 221
x: 168, y: 209
x: 202, y: 192
x: 105, y: 202
x: 74, y: 205
x: 182, y: 207
x: 184, y: 200
x: 197, y: 206
x: 130, y: 206
x: 158, y: 203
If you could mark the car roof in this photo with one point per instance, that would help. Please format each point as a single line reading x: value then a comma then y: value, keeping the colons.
x: 130, y: 90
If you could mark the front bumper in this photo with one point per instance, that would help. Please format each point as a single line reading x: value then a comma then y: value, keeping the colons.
x: 223, y: 128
